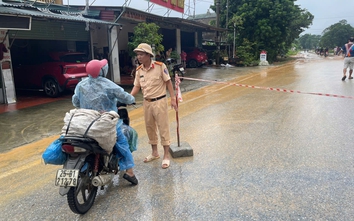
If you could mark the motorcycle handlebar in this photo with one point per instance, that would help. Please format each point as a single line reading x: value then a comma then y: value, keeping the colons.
x: 119, y: 104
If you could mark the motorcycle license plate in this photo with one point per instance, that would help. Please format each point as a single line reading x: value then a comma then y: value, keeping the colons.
x: 66, y: 177
x: 181, y: 69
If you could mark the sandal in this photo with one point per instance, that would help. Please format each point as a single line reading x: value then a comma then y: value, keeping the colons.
x: 150, y: 158
x: 132, y: 179
x: 165, y: 164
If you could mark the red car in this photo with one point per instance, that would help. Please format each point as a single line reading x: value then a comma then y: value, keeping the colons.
x: 52, y: 72
x: 196, y: 57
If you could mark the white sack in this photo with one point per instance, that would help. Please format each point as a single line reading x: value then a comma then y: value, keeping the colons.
x: 102, y: 130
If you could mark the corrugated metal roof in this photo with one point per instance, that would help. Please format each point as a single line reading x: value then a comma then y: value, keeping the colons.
x: 32, y: 4
x: 66, y: 9
x: 46, y: 13
x: 202, y: 16
x: 196, y: 24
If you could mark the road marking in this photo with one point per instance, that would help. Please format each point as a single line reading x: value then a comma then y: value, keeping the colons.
x: 20, y: 169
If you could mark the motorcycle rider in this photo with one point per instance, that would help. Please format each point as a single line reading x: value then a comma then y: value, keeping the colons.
x: 99, y: 93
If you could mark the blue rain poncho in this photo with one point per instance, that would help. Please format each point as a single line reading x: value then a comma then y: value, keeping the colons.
x: 101, y: 94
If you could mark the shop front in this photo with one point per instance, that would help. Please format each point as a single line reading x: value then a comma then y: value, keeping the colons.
x: 48, y: 33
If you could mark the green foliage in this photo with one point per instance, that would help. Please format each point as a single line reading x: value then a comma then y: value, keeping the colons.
x: 294, y: 50
x: 212, y: 23
x: 291, y: 52
x: 336, y: 34
x: 146, y: 33
x: 309, y: 41
x: 270, y: 25
x: 245, y: 52
x: 174, y: 55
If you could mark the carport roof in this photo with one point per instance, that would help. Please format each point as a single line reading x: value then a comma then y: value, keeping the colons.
x: 207, y: 28
x: 28, y: 10
x: 175, y: 21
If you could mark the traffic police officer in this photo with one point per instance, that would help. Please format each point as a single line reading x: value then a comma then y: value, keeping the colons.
x: 153, y: 78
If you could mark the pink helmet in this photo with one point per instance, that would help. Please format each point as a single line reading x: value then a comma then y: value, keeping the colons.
x: 93, y: 68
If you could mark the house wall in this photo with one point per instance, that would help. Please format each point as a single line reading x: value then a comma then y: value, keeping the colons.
x: 124, y: 36
x: 99, y: 34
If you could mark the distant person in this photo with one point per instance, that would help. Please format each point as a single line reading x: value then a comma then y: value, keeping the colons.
x: 321, y: 51
x: 338, y: 51
x: 326, y: 52
x: 3, y: 49
x: 168, y: 53
x: 348, y: 59
x: 135, y: 64
x: 183, y: 58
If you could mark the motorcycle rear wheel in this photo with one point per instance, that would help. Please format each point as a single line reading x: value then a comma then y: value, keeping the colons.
x: 82, y: 197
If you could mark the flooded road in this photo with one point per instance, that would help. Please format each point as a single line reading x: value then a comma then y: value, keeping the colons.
x: 258, y: 154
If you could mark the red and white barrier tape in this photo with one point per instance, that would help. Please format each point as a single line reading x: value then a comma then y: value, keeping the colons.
x: 269, y: 88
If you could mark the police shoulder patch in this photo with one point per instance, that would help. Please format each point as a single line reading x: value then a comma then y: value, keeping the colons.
x: 140, y: 66
x: 158, y: 63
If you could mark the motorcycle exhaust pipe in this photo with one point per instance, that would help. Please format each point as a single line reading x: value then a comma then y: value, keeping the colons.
x: 101, y: 180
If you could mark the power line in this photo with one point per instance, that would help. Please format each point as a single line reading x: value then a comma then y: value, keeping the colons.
x: 336, y: 17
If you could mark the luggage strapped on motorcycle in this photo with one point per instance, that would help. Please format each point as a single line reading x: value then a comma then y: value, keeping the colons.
x: 90, y: 125
x: 88, y: 128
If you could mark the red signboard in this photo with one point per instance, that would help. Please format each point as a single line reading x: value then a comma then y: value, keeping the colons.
x: 176, y: 5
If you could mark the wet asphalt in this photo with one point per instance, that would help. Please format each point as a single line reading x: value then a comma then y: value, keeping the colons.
x: 258, y: 154
x: 27, y: 125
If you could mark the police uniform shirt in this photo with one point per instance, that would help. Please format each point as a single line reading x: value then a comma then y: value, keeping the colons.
x: 152, y: 81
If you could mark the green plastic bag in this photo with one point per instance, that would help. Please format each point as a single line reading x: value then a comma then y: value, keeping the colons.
x: 132, y: 137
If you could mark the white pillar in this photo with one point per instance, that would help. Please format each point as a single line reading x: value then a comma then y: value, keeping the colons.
x: 114, y: 58
x: 8, y: 92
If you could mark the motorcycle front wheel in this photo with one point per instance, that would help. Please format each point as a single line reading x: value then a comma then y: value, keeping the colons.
x: 82, y: 197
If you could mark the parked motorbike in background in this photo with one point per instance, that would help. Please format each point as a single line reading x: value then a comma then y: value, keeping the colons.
x: 87, y: 168
x: 175, y: 68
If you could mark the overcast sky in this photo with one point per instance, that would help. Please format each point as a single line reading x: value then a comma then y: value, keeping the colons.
x: 326, y: 12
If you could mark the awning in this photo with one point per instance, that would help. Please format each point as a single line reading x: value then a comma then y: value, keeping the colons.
x: 45, y: 13
x: 207, y: 28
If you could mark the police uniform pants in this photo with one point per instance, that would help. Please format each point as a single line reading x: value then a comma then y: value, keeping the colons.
x: 156, y: 119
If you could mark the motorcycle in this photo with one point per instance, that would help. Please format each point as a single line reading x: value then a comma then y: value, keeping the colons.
x: 87, y: 168
x: 175, y: 68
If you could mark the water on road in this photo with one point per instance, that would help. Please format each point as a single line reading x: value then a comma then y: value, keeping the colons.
x: 259, y: 154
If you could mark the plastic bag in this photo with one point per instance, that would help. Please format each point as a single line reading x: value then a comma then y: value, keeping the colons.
x: 131, y: 135
x: 53, y: 154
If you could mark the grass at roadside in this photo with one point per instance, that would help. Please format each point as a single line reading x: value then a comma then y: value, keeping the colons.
x: 285, y: 60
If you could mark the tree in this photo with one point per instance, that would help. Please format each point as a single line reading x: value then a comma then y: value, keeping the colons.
x: 270, y: 25
x: 244, y: 53
x: 336, y: 34
x: 146, y: 33
x: 309, y: 41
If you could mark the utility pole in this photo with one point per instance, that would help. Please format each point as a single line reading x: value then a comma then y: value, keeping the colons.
x: 234, y: 46
x: 217, y: 4
x: 227, y: 25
